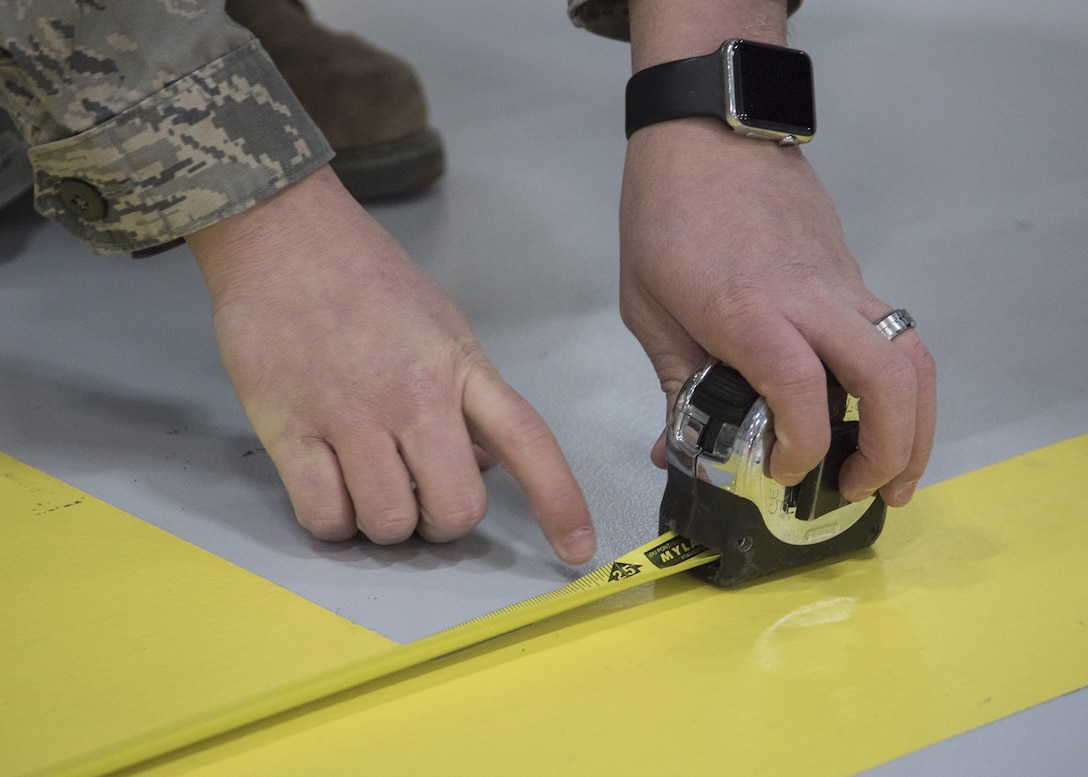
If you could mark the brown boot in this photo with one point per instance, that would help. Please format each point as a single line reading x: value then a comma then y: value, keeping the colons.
x: 369, y: 103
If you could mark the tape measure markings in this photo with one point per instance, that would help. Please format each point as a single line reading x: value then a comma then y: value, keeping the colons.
x: 661, y: 557
x: 664, y: 556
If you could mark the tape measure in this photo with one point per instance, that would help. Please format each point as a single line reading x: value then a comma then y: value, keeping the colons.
x: 720, y: 494
x: 668, y: 554
x: 664, y: 556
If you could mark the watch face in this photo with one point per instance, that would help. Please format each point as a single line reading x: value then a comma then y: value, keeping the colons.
x: 771, y: 88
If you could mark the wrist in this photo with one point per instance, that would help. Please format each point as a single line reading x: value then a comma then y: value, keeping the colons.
x: 257, y: 242
x: 668, y: 30
x: 696, y: 150
x: 756, y: 89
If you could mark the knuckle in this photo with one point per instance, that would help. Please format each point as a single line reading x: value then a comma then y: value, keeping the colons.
x: 925, y: 363
x: 885, y: 462
x: 800, y: 386
x: 331, y: 525
x: 533, y: 432
x: 672, y: 370
x: 896, y: 377
x: 799, y: 378
x: 422, y: 389
x: 800, y: 455
x: 432, y: 380
x: 387, y: 525
x: 734, y: 305
x: 459, y: 514
x: 889, y: 462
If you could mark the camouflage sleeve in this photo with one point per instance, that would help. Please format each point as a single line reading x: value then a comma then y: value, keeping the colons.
x: 14, y: 166
x: 148, y: 119
x: 609, y: 17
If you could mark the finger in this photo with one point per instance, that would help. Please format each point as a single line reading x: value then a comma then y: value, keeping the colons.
x: 451, y: 494
x: 900, y: 489
x: 883, y: 378
x: 657, y: 452
x: 782, y: 367
x: 310, y: 471
x: 484, y: 460
x: 380, y: 485
x: 507, y: 426
x: 672, y: 352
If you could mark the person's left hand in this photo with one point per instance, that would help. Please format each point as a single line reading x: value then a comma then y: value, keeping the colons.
x: 731, y: 247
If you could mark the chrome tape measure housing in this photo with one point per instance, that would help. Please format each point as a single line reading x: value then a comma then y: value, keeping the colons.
x: 718, y: 493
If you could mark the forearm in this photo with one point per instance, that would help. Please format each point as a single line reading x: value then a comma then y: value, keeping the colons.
x: 666, y: 30
x: 255, y: 245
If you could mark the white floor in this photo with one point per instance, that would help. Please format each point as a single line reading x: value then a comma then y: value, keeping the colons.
x: 949, y: 134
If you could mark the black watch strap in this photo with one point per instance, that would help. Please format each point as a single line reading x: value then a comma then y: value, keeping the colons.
x: 665, y: 92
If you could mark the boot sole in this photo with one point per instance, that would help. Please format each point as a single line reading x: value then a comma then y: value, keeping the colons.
x: 395, y: 168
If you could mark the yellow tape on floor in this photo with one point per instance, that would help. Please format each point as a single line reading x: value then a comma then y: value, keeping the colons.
x: 972, y: 606
x: 113, y: 631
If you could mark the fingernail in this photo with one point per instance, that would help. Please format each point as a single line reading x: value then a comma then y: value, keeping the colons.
x: 905, y: 492
x: 580, y: 545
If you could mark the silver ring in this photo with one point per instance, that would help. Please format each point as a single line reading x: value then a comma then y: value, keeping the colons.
x: 895, y: 323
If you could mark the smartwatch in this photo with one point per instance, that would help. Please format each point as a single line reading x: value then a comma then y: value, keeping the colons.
x: 756, y: 89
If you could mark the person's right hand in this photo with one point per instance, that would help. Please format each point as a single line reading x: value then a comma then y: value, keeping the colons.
x: 364, y: 382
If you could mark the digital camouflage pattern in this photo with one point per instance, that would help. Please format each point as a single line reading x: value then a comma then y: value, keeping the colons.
x: 15, y: 174
x: 170, y: 111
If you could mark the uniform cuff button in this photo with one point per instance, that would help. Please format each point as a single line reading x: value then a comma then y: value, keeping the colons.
x: 82, y: 200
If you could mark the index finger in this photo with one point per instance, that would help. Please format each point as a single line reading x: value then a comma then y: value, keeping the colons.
x: 783, y: 368
x: 504, y: 424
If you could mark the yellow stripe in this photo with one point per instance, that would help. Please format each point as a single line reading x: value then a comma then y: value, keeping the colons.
x: 287, y: 696
x: 158, y: 644
x: 972, y: 606
x: 116, y: 637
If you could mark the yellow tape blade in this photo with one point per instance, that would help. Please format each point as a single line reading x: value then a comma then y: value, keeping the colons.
x: 663, y: 556
x: 161, y: 644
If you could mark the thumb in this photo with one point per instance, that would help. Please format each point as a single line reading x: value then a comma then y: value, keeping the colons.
x: 673, y: 352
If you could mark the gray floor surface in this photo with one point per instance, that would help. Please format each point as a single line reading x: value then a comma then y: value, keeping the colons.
x: 949, y: 135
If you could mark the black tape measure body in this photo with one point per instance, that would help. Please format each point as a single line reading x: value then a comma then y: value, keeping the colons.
x: 718, y: 495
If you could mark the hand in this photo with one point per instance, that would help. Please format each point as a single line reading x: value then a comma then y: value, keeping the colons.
x: 731, y: 247
x: 364, y: 381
